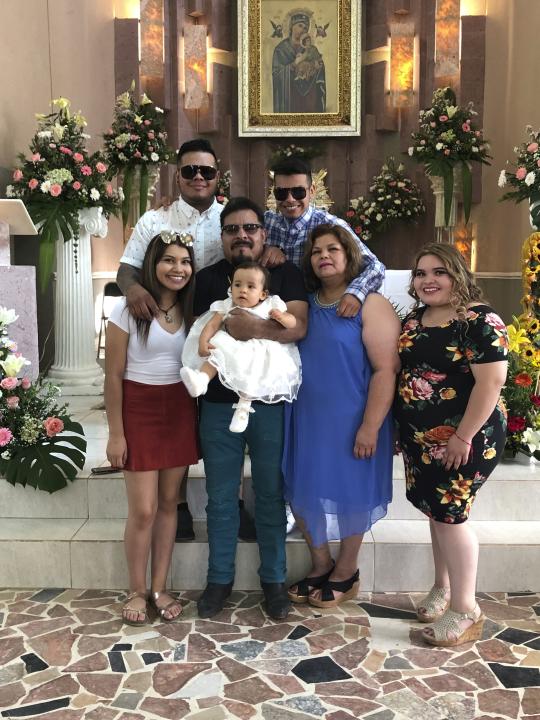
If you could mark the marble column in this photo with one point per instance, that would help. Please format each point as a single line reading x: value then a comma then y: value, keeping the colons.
x: 75, y: 366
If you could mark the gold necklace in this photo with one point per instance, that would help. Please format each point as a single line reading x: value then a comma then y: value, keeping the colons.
x: 165, y: 311
x: 322, y: 304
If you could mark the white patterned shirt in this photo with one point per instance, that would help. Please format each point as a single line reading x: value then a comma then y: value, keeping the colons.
x: 178, y: 217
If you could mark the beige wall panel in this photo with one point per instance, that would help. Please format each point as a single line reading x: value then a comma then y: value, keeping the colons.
x: 24, y: 73
x: 511, y: 102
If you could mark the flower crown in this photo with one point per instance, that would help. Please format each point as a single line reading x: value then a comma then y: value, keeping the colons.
x: 169, y: 236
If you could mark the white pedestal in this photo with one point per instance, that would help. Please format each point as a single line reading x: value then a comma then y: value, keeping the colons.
x: 75, y: 367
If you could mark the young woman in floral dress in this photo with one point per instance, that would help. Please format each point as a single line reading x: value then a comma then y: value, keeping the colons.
x: 452, y: 428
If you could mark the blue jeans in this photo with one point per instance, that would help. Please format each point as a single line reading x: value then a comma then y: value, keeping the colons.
x: 223, y: 454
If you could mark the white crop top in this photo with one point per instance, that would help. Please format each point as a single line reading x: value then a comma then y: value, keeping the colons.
x: 159, y: 361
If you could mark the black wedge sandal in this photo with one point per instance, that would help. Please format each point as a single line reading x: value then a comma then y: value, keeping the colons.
x: 349, y: 588
x: 306, y: 585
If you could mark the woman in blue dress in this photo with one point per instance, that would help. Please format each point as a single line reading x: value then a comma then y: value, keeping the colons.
x: 337, y: 461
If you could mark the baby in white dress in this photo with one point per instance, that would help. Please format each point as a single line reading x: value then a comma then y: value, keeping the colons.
x: 263, y: 370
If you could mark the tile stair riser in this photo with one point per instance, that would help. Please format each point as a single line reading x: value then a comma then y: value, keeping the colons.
x: 392, y: 563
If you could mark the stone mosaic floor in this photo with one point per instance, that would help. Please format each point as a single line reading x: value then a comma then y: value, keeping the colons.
x: 65, y: 655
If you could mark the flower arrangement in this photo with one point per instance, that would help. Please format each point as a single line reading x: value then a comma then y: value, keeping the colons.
x: 304, y: 152
x: 392, y: 197
x: 136, y: 138
x: 448, y: 137
x: 525, y: 179
x: 35, y: 448
x: 521, y: 395
x: 224, y: 187
x: 60, y: 178
x: 522, y: 390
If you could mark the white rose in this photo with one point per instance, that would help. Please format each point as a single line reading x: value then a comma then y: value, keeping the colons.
x: 6, y: 455
x: 530, y: 178
x: 159, y: 110
x: 439, y: 146
x: 7, y: 316
x: 45, y: 186
x: 9, y: 191
x: 502, y: 179
x: 154, y: 157
x: 378, y: 217
x: 94, y: 194
x: 397, y: 202
x: 410, y: 151
x: 354, y: 203
x: 474, y: 149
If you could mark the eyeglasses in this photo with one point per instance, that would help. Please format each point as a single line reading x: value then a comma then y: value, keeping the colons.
x: 169, y: 236
x: 298, y: 193
x: 250, y: 228
x: 207, y: 172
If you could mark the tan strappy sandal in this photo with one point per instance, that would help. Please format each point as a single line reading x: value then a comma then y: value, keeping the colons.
x: 434, y: 605
x: 449, y: 624
x: 128, y: 609
x: 154, y: 597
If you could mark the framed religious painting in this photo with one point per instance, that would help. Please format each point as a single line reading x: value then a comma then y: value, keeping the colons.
x: 299, y: 67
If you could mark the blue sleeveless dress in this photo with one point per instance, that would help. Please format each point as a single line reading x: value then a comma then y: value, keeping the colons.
x: 336, y: 494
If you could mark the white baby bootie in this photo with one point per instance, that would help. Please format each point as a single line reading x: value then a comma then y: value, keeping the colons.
x: 240, y: 418
x: 196, y: 382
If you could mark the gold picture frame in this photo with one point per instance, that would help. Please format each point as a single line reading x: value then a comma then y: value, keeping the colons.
x: 288, y: 56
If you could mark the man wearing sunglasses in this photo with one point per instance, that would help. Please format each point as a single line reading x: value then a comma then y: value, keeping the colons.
x: 196, y: 212
x: 243, y: 237
x: 287, y: 231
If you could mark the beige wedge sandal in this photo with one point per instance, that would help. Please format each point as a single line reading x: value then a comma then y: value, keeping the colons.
x: 433, y: 605
x: 449, y: 624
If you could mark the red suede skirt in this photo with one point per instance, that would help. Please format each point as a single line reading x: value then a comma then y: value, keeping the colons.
x: 160, y: 426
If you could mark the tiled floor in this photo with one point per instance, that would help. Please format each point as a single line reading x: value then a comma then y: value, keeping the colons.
x: 64, y: 655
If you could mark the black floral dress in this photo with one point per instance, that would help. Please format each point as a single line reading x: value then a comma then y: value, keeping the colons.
x: 434, y: 388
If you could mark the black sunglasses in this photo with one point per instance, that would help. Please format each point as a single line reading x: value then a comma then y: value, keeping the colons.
x: 250, y: 228
x: 207, y: 172
x: 298, y: 193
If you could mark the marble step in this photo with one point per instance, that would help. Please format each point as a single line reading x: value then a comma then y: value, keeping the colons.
x: 509, y: 494
x: 396, y: 556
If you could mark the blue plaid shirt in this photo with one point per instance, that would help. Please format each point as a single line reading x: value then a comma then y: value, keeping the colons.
x: 291, y: 238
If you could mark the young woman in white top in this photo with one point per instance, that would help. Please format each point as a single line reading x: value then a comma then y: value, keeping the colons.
x: 152, y: 419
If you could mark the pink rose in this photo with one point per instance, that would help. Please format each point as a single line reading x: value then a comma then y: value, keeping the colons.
x: 78, y: 157
x: 137, y: 154
x: 437, y: 452
x: 532, y: 147
x: 147, y: 122
x: 55, y: 190
x: 86, y: 170
x: 433, y: 376
x: 25, y: 383
x: 53, y: 426
x: 108, y: 189
x: 538, y: 163
x: 495, y: 321
x: 477, y: 133
x: 33, y: 183
x: 76, y: 185
x: 151, y: 135
x: 17, y: 175
x: 134, y: 137
x: 466, y: 127
x: 422, y: 389
x: 447, y: 151
x: 5, y: 436
x: 432, y: 124
x: 52, y: 145
x: 443, y: 118
x: 9, y: 383
x: 65, y: 150
x: 12, y: 402
x: 36, y: 157
x: 349, y: 213
x: 101, y: 167
x: 521, y: 173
